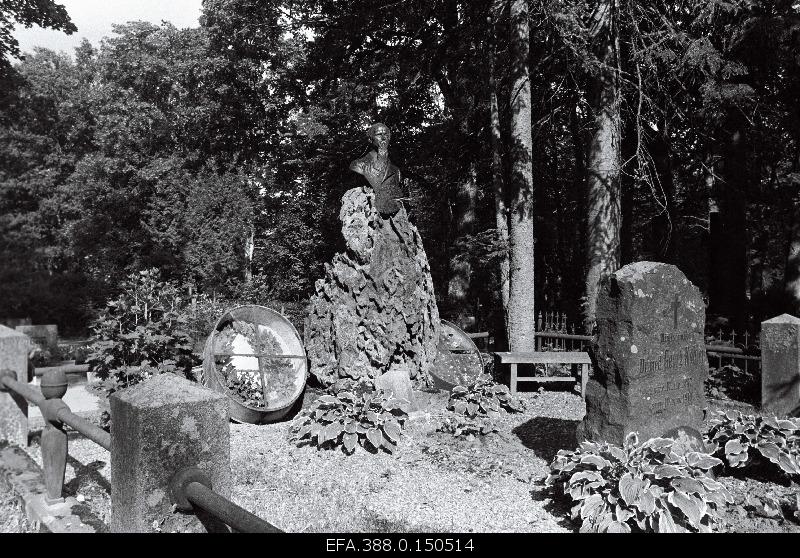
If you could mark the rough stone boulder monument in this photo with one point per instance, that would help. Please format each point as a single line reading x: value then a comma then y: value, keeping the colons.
x: 649, y: 357
x: 374, y: 314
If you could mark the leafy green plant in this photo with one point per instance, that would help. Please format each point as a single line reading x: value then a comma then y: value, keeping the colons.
x: 202, y: 314
x: 349, y: 417
x: 42, y: 357
x: 141, y: 333
x: 483, y: 398
x: 475, y: 406
x: 647, y: 487
x: 78, y: 353
x: 745, y: 440
x: 731, y: 382
x: 461, y: 425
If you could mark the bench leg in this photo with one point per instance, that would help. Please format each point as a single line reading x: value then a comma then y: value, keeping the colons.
x: 514, y: 378
x: 584, y: 380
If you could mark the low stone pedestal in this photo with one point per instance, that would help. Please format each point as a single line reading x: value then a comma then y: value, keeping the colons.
x: 159, y: 427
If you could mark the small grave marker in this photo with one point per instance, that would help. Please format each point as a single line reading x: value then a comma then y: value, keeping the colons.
x: 46, y: 336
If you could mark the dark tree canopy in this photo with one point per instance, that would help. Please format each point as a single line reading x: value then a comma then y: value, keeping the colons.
x: 220, y: 154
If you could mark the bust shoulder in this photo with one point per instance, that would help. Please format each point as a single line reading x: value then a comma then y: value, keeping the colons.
x: 359, y: 164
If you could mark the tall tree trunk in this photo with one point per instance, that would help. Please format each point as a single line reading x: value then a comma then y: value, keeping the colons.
x: 460, y: 99
x: 729, y: 298
x: 521, y: 316
x: 460, y: 268
x: 500, y: 206
x: 604, y: 211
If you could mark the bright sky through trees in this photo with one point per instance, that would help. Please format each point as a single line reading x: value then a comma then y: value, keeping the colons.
x: 95, y: 17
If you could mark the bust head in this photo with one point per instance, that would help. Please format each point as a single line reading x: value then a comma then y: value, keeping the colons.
x: 379, y: 135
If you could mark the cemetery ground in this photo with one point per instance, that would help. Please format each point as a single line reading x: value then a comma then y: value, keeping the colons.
x: 434, y: 482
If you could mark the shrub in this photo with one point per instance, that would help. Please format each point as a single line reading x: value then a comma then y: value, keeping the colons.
x: 141, y: 333
x: 358, y: 415
x: 646, y: 487
x: 78, y: 353
x: 203, y: 315
x: 743, y: 440
x: 731, y: 382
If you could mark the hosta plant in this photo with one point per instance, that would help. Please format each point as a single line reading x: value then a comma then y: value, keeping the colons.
x: 474, y: 407
x: 483, y: 398
x: 461, y: 425
x: 647, y: 487
x: 346, y: 418
x: 743, y: 440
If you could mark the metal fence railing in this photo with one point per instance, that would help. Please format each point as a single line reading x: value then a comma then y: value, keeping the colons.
x: 192, y: 488
x: 554, y: 332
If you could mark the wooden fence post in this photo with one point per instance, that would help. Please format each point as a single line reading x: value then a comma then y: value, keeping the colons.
x: 54, y: 439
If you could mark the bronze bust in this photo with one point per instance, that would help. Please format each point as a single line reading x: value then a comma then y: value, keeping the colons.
x: 382, y: 175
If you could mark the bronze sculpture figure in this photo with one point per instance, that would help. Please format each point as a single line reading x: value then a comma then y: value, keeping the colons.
x: 382, y: 175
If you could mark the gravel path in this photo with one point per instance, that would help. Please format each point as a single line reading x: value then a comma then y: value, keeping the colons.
x: 12, y: 515
x: 434, y: 482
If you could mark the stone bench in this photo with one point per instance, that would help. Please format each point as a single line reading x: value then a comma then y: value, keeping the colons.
x: 546, y: 357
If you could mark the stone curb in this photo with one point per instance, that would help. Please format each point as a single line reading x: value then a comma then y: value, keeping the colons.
x: 27, y: 482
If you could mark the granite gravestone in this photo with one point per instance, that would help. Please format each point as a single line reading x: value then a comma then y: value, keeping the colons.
x: 780, y: 365
x: 649, y: 357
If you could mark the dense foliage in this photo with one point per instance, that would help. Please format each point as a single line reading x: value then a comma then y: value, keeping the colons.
x: 639, y: 487
x: 141, y: 333
x: 219, y: 154
x: 361, y: 415
x: 746, y: 440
